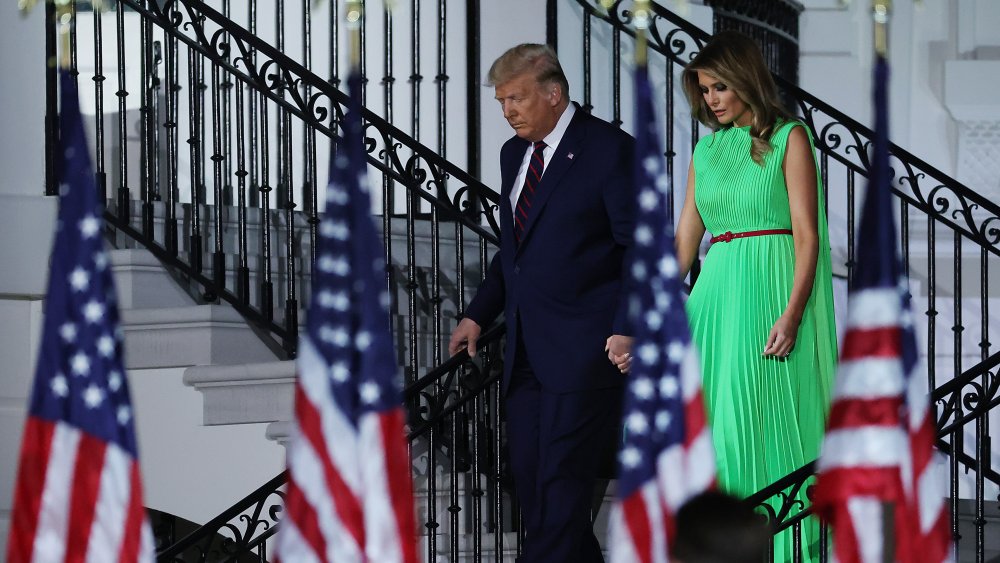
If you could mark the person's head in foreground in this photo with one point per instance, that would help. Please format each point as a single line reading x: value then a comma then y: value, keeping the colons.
x: 714, y: 527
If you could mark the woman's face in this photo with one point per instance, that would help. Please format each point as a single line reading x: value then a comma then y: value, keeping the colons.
x: 723, y: 102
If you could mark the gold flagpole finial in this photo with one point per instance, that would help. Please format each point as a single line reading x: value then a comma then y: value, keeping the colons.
x: 881, y: 10
x: 64, y: 18
x: 643, y: 17
x: 26, y: 6
x: 353, y: 15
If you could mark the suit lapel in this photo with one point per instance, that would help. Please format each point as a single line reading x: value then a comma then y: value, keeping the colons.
x: 566, y: 154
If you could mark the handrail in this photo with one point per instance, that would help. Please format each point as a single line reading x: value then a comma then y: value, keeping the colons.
x: 272, y: 486
x: 979, y: 400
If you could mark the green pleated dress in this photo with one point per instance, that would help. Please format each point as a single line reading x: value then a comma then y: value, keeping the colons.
x: 767, y: 415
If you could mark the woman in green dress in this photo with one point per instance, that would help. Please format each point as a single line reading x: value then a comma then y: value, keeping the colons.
x: 761, y: 311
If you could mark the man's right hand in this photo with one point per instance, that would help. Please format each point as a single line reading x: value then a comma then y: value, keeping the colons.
x: 465, y: 336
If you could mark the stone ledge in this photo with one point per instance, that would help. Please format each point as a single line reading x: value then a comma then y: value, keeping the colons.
x: 238, y: 394
x: 188, y: 336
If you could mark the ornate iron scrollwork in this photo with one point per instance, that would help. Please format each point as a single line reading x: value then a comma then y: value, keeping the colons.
x: 272, y: 73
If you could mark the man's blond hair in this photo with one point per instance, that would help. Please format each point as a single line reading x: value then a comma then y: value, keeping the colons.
x: 541, y: 60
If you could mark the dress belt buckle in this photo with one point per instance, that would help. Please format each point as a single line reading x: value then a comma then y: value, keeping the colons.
x: 727, y: 236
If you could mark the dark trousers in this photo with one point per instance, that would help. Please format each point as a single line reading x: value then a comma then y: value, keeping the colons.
x: 558, y: 442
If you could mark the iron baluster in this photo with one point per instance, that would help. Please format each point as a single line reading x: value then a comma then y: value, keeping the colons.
x: 286, y: 196
x: 145, y: 158
x: 252, y: 128
x: 227, y: 140
x: 154, y: 121
x: 432, y: 525
x: 310, y: 188
x: 334, y: 24
x: 281, y: 164
x: 904, y: 233
x: 170, y: 227
x: 194, y: 142
x: 266, y: 284
x: 218, y: 164
x: 99, y: 170
x: 797, y: 542
x: 242, y: 281
x: 124, y: 198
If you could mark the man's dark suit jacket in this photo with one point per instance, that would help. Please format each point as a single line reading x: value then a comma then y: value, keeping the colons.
x: 563, y: 285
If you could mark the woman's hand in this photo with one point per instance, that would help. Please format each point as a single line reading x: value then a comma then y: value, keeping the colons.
x: 619, y: 349
x: 781, y: 340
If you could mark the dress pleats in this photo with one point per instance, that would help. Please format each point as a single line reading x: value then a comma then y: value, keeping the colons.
x: 767, y: 414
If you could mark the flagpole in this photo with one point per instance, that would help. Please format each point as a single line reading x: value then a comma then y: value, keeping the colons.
x: 880, y: 14
x: 353, y: 15
x: 642, y: 19
x: 64, y: 18
x: 880, y: 29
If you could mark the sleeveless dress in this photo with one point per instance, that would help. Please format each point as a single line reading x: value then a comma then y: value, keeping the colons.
x: 767, y: 415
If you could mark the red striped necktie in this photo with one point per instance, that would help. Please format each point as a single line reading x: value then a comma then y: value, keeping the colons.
x: 534, y: 175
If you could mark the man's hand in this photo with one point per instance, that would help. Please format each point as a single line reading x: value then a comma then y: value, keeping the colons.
x: 619, y: 349
x: 465, y: 336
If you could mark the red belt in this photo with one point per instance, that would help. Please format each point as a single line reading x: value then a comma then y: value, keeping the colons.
x: 728, y: 236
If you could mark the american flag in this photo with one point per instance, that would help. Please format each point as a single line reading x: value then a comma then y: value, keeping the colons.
x: 667, y: 456
x: 78, y: 495
x: 878, y: 448
x: 349, y: 495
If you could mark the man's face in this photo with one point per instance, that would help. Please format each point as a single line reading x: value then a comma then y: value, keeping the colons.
x: 529, y: 107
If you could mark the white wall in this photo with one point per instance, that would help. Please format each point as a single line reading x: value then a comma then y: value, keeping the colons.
x: 27, y: 218
x: 191, y: 470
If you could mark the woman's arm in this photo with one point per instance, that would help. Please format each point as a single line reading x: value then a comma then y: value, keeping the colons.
x: 800, y: 180
x: 690, y: 228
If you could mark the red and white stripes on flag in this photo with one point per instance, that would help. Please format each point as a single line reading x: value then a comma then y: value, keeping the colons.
x: 78, y: 499
x: 643, y: 524
x: 78, y: 496
x: 349, y: 496
x: 879, y: 446
x: 878, y: 450
x: 345, y: 500
x: 667, y: 456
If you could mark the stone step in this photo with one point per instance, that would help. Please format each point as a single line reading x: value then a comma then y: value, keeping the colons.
x: 144, y: 283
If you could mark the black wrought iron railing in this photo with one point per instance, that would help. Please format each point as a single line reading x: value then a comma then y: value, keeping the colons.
x: 932, y: 206
x: 454, y: 427
x: 236, y: 214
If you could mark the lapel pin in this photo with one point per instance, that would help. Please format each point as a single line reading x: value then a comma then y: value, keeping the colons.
x: 569, y: 156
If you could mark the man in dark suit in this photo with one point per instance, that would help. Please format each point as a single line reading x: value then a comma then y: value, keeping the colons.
x: 566, y: 220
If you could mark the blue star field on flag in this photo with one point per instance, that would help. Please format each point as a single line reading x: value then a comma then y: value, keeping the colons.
x: 80, y: 375
x: 349, y: 319
x: 654, y: 405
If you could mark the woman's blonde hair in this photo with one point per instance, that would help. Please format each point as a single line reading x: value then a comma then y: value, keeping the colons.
x: 737, y: 62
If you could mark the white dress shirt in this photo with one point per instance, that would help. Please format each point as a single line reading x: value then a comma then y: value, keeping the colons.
x: 551, y: 141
